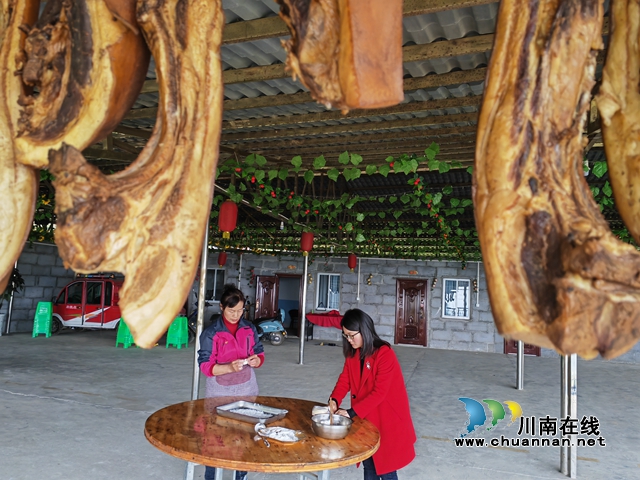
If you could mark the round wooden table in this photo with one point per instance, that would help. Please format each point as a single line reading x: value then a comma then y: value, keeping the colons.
x: 194, y: 432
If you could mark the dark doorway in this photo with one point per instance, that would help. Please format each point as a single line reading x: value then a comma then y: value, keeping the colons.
x: 266, y: 296
x: 289, y: 299
x: 411, y: 318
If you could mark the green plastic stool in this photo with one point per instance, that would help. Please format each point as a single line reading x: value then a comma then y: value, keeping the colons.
x: 124, y: 335
x: 42, y: 319
x: 178, y: 333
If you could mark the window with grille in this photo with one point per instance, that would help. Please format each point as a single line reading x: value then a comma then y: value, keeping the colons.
x: 456, y: 298
x: 328, y: 292
x: 215, y: 282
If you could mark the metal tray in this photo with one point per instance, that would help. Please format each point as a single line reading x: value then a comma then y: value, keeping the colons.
x: 263, y: 413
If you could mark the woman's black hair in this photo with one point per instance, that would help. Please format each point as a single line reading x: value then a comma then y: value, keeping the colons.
x: 231, y: 296
x: 358, y: 321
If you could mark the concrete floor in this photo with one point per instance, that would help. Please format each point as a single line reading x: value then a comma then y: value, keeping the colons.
x: 73, y: 407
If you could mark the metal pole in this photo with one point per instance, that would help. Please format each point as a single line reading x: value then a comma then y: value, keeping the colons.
x: 302, y: 317
x: 10, y: 307
x: 358, y: 294
x: 573, y: 413
x: 569, y: 408
x: 240, y: 271
x: 202, y: 290
x: 564, y: 409
x: 478, y: 286
x: 520, y: 366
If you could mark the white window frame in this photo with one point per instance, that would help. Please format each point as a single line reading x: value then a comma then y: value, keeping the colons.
x: 457, y: 301
x: 327, y: 307
x: 213, y: 273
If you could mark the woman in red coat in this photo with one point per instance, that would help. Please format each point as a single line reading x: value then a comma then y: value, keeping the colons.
x: 373, y: 376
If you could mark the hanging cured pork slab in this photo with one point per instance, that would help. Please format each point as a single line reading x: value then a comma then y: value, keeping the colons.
x: 88, y: 61
x: 619, y: 105
x: 348, y: 53
x: 557, y: 276
x: 149, y: 220
x: 18, y: 183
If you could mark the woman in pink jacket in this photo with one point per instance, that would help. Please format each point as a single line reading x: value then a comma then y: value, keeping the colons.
x: 373, y: 376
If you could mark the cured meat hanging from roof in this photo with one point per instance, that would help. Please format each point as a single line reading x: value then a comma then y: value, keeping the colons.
x: 86, y: 62
x: 619, y: 106
x: 148, y: 221
x: 18, y: 183
x: 348, y: 53
x: 557, y: 277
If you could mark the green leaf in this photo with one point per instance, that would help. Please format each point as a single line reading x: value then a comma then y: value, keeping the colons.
x: 356, y: 159
x: 242, y: 187
x: 250, y: 159
x: 437, y: 197
x: 360, y: 238
x: 351, y: 173
x: 296, y: 162
x: 599, y: 169
x: 405, y: 198
x: 333, y: 174
x: 444, y: 167
x: 319, y: 162
x: 308, y: 176
x: 393, y: 200
x: 397, y: 214
x: 448, y: 190
x: 348, y: 227
x: 381, y: 199
x: 470, y: 170
x: 360, y: 217
x: 259, y: 175
x: 261, y: 161
x: 273, y: 174
x: 371, y: 169
x: 382, y: 214
x: 466, y: 202
x: 455, y: 202
x: 434, y: 165
x: 606, y: 189
x: 283, y: 173
x: 384, y: 170
x: 418, y: 231
x: 344, y: 158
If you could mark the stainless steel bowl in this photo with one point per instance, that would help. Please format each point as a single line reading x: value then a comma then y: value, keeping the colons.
x: 339, y: 429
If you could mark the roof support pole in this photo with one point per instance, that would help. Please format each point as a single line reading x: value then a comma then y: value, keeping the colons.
x: 202, y: 287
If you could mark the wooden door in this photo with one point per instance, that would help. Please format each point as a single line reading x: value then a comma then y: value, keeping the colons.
x: 411, y: 317
x: 266, y: 296
x: 511, y: 346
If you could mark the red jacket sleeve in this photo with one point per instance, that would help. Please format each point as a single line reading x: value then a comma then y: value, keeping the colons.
x: 343, y: 385
x: 387, y: 368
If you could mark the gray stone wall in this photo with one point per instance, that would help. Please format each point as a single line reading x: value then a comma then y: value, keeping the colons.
x: 44, y: 276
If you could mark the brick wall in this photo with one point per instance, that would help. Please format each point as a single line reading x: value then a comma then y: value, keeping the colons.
x: 44, y: 276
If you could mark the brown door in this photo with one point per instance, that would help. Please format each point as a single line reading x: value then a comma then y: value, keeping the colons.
x: 411, y: 319
x: 266, y: 296
x: 511, y: 346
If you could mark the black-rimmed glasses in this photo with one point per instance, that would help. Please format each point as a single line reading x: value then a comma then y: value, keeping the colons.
x: 350, y: 337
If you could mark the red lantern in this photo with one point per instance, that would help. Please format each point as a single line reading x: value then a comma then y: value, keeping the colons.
x: 228, y: 218
x: 222, y: 258
x: 306, y: 243
x: 351, y: 261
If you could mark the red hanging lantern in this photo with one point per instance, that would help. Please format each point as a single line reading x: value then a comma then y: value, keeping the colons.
x: 228, y: 218
x: 306, y: 243
x: 351, y: 261
x: 222, y: 258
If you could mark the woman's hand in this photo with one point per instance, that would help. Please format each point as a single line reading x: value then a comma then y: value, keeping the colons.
x: 343, y: 412
x: 253, y: 361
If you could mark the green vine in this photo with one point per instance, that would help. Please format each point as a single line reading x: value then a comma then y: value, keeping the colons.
x: 420, y: 223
